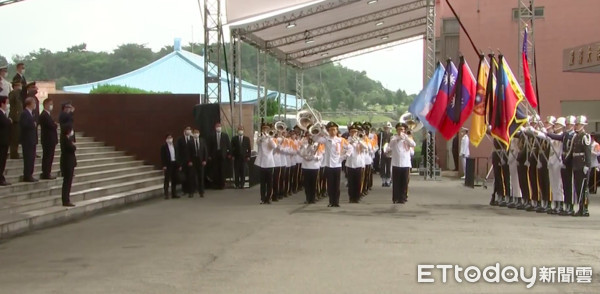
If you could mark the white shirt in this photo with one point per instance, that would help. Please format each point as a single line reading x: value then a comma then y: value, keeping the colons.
x: 6, y: 87
x: 171, y: 151
x: 265, y: 148
x: 336, y: 150
x: 357, y: 156
x: 464, y: 146
x: 401, y: 150
x: 595, y: 154
x: 313, y: 162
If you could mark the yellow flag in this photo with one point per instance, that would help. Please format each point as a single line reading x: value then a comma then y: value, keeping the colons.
x: 478, y: 126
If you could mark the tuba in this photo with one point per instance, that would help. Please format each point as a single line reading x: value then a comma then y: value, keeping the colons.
x: 280, y: 126
x: 316, y: 129
x: 307, y: 117
x: 411, y: 121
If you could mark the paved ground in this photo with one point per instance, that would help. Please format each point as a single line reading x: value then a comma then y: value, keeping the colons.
x: 227, y: 243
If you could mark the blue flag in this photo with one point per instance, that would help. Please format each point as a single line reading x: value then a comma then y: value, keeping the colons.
x: 424, y: 101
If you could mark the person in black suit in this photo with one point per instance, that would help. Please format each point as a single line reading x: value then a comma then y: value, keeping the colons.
x: 65, y: 118
x: 5, y: 127
x: 241, y: 151
x: 28, y: 139
x: 170, y: 166
x: 219, y: 154
x: 68, y: 162
x: 32, y: 91
x: 185, y: 160
x: 20, y: 78
x: 49, y: 139
x: 199, y: 155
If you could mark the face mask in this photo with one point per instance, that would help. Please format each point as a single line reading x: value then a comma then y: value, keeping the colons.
x: 23, y: 71
x: 188, y: 133
x: 72, y: 133
x: 7, y: 108
x: 32, y: 92
x: 218, y: 129
x: 241, y: 133
x: 50, y: 108
x: 196, y: 135
x: 169, y: 141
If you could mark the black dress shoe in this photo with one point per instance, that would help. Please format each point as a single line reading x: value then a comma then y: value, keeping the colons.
x: 175, y: 197
x: 44, y: 177
x: 31, y: 180
x: 68, y: 204
x: 201, y: 195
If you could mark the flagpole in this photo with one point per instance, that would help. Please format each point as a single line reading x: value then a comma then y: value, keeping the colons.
x: 463, y: 27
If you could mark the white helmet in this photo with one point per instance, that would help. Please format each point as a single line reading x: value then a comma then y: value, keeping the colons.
x: 581, y: 120
x: 571, y: 120
x: 388, y: 125
x: 561, y: 121
x: 551, y: 120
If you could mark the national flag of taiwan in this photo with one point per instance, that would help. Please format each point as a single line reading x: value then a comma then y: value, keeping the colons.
x: 478, y: 126
x: 461, y: 104
x: 529, y: 91
x: 506, y: 117
x: 435, y: 117
x: 423, y: 102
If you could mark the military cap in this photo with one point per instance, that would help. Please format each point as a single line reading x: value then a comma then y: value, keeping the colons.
x: 4, y: 67
x: 353, y: 127
x: 331, y: 125
x: 32, y: 84
x: 561, y: 121
x: 581, y: 120
x: 399, y: 125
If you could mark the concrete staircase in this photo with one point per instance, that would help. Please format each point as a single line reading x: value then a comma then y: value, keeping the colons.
x: 104, y: 179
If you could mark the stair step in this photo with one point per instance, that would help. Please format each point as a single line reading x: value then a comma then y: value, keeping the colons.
x: 15, y: 224
x: 13, y: 175
x: 17, y: 169
x: 99, y: 155
x: 82, y: 181
x: 7, y: 207
x: 80, y: 150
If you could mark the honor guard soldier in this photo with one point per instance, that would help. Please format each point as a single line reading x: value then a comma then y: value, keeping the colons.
x: 567, y: 163
x: 555, y: 166
x: 542, y: 166
x: 582, y: 164
x: 513, y: 166
x: 501, y: 176
x: 523, y: 167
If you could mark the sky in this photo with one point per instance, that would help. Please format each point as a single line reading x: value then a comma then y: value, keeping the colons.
x: 105, y: 24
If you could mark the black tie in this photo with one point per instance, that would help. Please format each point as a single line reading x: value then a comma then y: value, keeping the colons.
x: 196, y: 147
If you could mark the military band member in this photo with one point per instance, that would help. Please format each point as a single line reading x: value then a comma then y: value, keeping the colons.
x: 567, y: 164
x: 311, y: 155
x: 385, y: 161
x: 336, y: 150
x: 368, y: 171
x: 279, y: 170
x: 374, y: 147
x: 355, y: 164
x: 400, y: 146
x: 266, y: 146
x: 582, y: 164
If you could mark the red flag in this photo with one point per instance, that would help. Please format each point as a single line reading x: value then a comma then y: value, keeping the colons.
x: 435, y: 117
x: 506, y: 116
x: 461, y: 105
x: 529, y: 91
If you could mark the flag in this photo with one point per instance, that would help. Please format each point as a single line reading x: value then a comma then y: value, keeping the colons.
x: 435, y: 117
x: 490, y: 90
x: 461, y: 104
x: 423, y: 102
x: 478, y: 126
x: 529, y: 91
x: 507, y: 118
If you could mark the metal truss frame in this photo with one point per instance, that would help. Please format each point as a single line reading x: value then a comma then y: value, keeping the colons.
x: 294, y: 16
x: 6, y: 2
x: 261, y: 72
x: 342, y: 25
x: 526, y: 11
x: 212, y: 49
x: 300, y: 86
x: 357, y: 39
x: 430, y: 173
x: 236, y: 76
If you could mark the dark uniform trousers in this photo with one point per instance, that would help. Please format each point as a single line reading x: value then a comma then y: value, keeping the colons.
x: 171, y: 178
x: 276, y: 184
x: 544, y: 181
x: 354, y: 183
x: 333, y: 176
x: 499, y: 181
x: 386, y: 167
x: 266, y: 184
x: 581, y: 179
x: 310, y: 184
x: 567, y: 178
x: 322, y: 185
x: 533, y: 179
x: 400, y: 176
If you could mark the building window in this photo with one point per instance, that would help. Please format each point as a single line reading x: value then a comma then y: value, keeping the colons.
x: 538, y: 12
x: 451, y: 26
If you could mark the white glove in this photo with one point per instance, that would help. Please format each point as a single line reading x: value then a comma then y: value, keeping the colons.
x: 586, y: 170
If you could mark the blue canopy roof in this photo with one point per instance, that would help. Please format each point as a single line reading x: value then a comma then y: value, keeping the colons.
x: 179, y: 72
